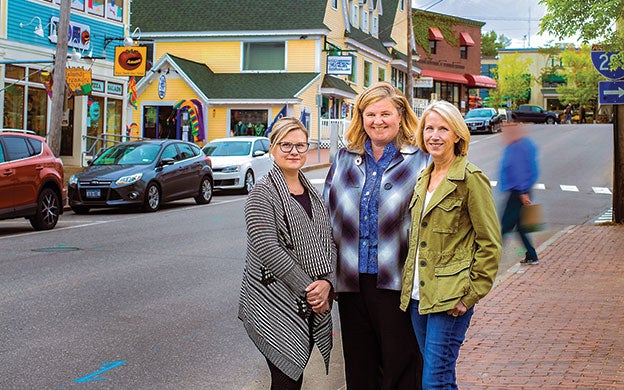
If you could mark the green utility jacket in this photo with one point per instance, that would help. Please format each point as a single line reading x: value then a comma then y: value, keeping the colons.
x: 459, y: 238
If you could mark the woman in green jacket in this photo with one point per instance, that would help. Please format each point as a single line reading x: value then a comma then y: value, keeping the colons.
x: 455, y: 244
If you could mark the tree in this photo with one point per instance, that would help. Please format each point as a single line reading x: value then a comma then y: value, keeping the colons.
x: 582, y: 78
x: 513, y: 82
x: 491, y: 43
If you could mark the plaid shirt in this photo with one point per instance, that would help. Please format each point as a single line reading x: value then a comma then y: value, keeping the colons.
x: 342, y: 192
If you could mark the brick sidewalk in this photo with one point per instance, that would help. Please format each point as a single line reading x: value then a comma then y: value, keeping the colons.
x: 556, y: 325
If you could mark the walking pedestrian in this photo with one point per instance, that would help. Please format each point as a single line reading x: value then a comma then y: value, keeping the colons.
x: 287, y: 288
x: 367, y: 190
x: 518, y: 174
x: 582, y: 112
x: 568, y: 114
x: 454, y: 247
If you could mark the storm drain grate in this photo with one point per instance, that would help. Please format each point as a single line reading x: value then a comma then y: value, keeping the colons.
x: 57, y: 249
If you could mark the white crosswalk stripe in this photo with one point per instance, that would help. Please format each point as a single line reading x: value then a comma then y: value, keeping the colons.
x: 569, y: 188
x: 607, y: 216
x: 601, y: 190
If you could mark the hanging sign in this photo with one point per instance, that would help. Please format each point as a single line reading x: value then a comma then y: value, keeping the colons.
x: 130, y: 60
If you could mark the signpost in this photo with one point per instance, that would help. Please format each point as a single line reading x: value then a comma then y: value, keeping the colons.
x: 612, y: 92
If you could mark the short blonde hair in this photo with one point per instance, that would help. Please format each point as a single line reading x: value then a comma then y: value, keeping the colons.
x: 455, y: 120
x: 356, y: 136
x: 283, y: 126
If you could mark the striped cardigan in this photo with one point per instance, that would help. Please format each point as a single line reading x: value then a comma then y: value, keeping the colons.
x: 286, y: 251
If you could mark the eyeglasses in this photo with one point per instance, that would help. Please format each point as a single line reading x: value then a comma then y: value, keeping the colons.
x: 287, y: 147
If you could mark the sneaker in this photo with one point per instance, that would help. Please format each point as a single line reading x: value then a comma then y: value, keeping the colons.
x: 529, y: 261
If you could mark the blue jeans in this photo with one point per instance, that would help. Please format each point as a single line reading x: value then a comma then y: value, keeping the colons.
x: 439, y: 337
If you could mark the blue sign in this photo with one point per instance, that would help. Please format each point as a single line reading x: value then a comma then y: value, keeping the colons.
x: 611, y: 92
x: 602, y: 60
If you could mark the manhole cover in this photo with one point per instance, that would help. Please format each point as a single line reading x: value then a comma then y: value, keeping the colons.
x: 57, y: 249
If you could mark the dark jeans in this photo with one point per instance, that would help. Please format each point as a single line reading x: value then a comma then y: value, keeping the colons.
x: 281, y: 381
x: 379, y: 345
x: 511, y: 220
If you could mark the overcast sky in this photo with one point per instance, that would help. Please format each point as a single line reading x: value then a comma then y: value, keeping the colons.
x: 516, y: 19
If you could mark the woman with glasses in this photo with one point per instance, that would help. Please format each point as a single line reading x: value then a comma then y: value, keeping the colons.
x: 287, y: 288
x: 367, y: 191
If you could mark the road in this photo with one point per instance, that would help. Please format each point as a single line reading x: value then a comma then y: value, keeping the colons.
x: 127, y: 300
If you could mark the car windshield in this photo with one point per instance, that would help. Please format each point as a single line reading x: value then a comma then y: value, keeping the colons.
x: 228, y: 148
x: 479, y: 114
x: 128, y: 154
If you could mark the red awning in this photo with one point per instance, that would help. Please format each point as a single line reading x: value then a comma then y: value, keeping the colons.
x: 445, y: 76
x: 479, y: 81
x: 465, y: 39
x: 435, y: 34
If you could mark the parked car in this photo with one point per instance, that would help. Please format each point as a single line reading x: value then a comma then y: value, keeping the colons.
x: 484, y: 120
x: 237, y: 162
x: 31, y: 179
x: 142, y: 173
x: 535, y: 114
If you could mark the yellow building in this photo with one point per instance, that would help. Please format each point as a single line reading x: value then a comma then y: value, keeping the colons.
x: 224, y: 68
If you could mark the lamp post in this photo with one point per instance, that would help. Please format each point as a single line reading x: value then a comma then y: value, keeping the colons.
x: 58, y: 85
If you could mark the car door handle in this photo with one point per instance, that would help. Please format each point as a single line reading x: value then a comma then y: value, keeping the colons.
x: 8, y: 172
x: 39, y: 167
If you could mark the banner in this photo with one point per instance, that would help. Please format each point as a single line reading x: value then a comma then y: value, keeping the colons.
x: 280, y: 114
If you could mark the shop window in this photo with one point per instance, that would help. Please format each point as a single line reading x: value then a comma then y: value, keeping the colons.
x: 463, y: 52
x: 264, y: 56
x: 36, y: 111
x: 14, y: 106
x: 15, y: 72
x: 248, y: 122
x: 95, y: 120
x: 368, y: 73
x: 114, y: 110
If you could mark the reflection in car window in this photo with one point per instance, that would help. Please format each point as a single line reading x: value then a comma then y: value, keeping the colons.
x: 170, y: 152
x: 258, y: 147
x: 228, y: 148
x: 479, y: 113
x: 17, y: 148
x: 1, y: 154
x: 128, y: 154
x: 185, y: 151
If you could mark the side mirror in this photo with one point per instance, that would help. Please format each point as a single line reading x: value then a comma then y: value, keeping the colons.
x: 258, y: 153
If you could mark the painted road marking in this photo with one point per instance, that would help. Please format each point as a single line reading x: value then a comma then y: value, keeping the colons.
x: 106, y: 366
x: 317, y: 181
x: 539, y: 186
x: 607, y: 216
x: 601, y: 190
x: 568, y: 188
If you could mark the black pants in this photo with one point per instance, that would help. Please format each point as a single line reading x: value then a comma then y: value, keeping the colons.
x: 281, y: 381
x: 378, y: 341
x: 511, y: 220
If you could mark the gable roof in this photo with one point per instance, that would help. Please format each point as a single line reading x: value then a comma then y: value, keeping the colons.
x: 227, y: 15
x: 242, y: 87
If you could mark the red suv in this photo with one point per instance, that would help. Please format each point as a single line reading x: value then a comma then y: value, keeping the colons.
x: 31, y: 179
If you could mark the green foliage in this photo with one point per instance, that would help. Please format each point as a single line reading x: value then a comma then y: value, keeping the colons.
x: 513, y: 83
x: 491, y: 43
x: 423, y: 20
x: 590, y: 20
x: 582, y: 78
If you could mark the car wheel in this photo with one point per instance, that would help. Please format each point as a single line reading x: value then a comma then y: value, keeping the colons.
x: 80, y: 209
x: 205, y: 191
x: 152, y: 198
x: 249, y: 181
x: 550, y: 120
x: 48, y: 210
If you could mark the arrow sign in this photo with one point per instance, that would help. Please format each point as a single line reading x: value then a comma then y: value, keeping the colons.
x: 617, y: 93
x: 106, y: 366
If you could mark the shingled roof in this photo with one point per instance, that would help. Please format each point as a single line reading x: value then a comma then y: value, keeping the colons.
x: 227, y: 15
x: 243, y: 86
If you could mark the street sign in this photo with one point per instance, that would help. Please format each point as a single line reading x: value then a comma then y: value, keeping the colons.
x: 602, y: 60
x: 611, y: 92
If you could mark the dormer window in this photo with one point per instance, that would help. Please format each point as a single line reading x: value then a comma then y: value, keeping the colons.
x: 375, y: 26
x: 365, y: 20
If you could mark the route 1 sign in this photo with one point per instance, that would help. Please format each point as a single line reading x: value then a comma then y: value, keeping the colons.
x: 602, y: 60
x: 611, y: 92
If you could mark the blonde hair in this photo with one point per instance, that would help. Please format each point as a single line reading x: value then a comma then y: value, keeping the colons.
x: 283, y: 126
x: 355, y: 135
x: 455, y: 120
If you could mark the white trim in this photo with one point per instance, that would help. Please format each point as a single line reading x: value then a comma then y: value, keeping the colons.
x: 205, y: 36
x: 380, y: 57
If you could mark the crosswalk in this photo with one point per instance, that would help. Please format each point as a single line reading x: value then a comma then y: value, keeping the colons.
x: 566, y: 188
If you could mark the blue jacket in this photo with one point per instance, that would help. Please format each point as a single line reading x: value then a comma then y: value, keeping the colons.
x: 518, y: 171
x: 342, y: 192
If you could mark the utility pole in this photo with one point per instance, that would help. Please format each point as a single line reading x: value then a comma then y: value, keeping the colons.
x: 58, y: 81
x: 618, y: 163
x: 409, y: 82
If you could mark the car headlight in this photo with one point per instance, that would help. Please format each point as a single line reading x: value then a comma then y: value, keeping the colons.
x: 73, y: 180
x: 231, y: 168
x: 125, y: 180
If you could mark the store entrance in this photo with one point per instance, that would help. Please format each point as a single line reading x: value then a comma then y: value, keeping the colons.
x: 160, y: 122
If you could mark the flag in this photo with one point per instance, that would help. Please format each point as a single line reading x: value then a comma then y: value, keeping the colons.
x: 280, y: 114
x: 132, y: 93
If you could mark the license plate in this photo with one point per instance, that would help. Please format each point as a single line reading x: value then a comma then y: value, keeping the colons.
x: 93, y: 193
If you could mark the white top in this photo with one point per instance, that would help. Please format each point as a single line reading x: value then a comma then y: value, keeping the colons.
x: 415, y: 285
